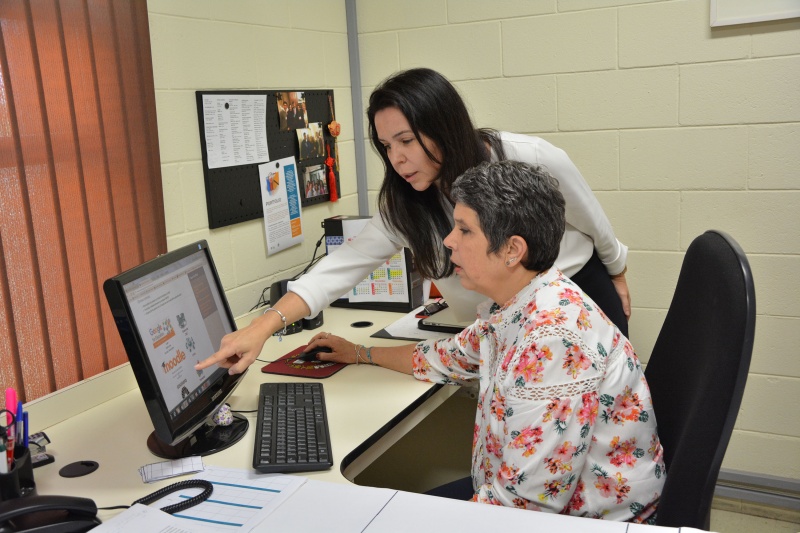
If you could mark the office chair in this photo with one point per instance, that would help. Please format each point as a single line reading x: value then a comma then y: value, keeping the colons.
x: 697, y: 373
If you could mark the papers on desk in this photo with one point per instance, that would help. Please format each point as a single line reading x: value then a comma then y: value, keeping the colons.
x: 406, y: 329
x: 142, y: 518
x: 241, y: 500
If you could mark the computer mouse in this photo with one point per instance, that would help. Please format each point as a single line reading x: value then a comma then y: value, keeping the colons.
x: 311, y: 355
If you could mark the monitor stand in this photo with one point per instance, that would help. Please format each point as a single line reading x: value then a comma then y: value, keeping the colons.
x: 206, y: 440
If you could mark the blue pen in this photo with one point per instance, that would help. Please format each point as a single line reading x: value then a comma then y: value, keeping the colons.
x: 18, y: 425
x: 25, y: 428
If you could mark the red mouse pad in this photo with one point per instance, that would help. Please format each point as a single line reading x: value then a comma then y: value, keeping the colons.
x: 288, y: 365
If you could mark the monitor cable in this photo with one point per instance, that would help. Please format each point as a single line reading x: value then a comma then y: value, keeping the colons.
x: 262, y: 299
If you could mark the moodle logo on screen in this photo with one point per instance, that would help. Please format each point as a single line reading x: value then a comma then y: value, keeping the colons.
x: 175, y: 361
x: 161, y: 332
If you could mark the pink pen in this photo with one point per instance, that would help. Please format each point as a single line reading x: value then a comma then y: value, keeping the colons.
x: 11, y: 417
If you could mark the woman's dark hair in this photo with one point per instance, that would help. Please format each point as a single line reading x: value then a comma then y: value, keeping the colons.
x: 515, y: 198
x: 433, y: 108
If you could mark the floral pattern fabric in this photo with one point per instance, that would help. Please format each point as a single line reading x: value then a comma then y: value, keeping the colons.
x: 565, y: 421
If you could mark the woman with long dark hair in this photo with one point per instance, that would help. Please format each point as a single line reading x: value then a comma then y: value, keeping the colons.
x: 421, y: 128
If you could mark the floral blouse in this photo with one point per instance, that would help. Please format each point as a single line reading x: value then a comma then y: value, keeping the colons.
x: 565, y: 421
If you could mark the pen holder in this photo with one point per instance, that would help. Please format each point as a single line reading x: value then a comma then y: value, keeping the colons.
x: 18, y: 481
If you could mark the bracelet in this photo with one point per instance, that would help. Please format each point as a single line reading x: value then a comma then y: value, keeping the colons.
x: 283, y: 319
x: 369, y: 356
x: 358, y: 349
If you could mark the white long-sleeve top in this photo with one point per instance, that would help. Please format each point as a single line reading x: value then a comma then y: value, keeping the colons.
x: 587, y: 229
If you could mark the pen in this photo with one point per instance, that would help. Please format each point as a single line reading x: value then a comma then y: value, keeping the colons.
x: 20, y: 429
x: 25, y: 428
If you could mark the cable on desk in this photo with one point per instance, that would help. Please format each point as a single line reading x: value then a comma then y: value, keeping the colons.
x: 207, y: 487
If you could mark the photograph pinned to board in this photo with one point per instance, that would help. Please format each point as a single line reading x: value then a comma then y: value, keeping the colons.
x: 292, y: 112
x: 281, y: 199
x: 310, y: 141
x: 314, y: 181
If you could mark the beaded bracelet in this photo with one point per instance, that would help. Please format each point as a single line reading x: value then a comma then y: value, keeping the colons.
x: 283, y: 319
x: 369, y: 356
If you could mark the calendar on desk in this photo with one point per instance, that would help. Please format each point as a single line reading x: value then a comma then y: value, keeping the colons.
x: 393, y: 286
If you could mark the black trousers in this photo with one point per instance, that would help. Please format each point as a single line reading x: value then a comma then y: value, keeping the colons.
x: 593, y: 278
x: 460, y: 489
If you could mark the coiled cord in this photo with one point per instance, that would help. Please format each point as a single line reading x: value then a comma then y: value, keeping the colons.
x: 207, y: 487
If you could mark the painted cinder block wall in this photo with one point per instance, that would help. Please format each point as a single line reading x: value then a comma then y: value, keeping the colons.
x: 677, y: 126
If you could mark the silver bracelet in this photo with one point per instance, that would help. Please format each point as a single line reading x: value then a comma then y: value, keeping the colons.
x: 283, y: 319
x: 358, y: 355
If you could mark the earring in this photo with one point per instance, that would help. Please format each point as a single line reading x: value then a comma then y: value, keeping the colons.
x: 510, y: 260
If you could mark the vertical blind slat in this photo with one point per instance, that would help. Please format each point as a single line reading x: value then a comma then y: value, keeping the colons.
x: 81, y: 296
x: 19, y: 227
x: 44, y: 199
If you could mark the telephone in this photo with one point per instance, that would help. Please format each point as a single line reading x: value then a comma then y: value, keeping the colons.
x: 71, y: 514
x: 48, y: 514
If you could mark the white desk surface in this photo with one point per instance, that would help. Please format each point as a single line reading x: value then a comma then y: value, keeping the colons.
x: 104, y: 419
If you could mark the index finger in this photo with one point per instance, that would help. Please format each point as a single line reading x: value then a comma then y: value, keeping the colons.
x: 219, y: 357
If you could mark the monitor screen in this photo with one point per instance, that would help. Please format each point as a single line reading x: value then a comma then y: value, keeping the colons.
x: 171, y: 313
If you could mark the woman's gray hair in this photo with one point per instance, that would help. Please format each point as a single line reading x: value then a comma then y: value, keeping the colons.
x: 515, y: 198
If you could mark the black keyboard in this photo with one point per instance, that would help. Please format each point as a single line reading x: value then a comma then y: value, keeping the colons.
x: 292, y: 432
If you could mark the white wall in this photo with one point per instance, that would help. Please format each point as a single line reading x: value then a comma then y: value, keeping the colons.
x: 678, y: 128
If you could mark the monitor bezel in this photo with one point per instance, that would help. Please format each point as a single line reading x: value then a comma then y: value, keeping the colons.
x: 170, y: 431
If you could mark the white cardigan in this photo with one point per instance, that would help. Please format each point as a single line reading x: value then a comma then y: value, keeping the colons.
x: 587, y: 229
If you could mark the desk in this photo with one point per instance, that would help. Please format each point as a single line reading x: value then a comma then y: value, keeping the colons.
x: 104, y: 419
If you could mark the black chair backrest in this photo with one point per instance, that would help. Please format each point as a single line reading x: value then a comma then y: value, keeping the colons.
x: 697, y: 373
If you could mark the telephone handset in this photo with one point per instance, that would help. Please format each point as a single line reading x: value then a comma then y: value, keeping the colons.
x: 48, y: 514
x: 72, y: 514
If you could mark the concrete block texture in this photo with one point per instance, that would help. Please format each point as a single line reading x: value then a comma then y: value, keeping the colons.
x: 595, y: 153
x: 772, y: 156
x: 761, y: 394
x: 618, y: 99
x: 445, y: 48
x: 589, y: 42
x: 476, y: 10
x: 383, y: 15
x: 667, y: 33
x: 762, y: 222
x: 766, y: 453
x: 675, y: 159
x: 494, y: 103
x: 741, y: 92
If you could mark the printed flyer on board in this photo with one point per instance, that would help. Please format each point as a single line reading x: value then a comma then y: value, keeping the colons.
x: 234, y: 129
x: 280, y: 197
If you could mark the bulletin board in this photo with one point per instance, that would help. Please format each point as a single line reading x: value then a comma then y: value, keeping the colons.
x: 233, y: 192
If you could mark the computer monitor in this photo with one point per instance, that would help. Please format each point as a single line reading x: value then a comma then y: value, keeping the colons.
x: 171, y: 312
